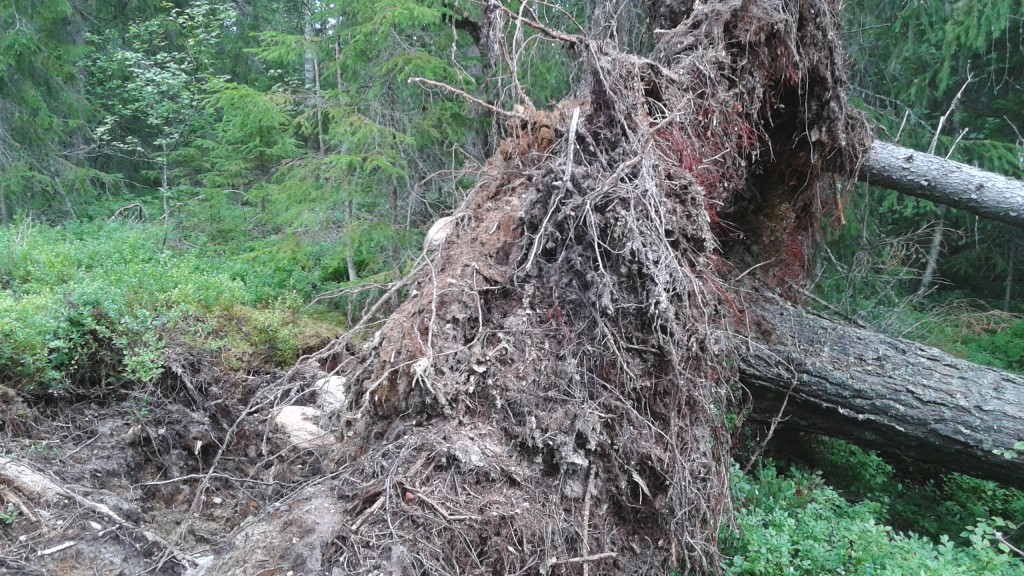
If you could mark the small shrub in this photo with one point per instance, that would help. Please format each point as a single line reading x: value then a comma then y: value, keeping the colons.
x: 943, y: 507
x: 92, y: 305
x: 794, y: 524
x: 1003, y: 349
x: 9, y: 515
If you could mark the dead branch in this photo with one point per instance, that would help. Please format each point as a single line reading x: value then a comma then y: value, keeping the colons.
x: 568, y: 39
x: 453, y: 90
x: 585, y: 559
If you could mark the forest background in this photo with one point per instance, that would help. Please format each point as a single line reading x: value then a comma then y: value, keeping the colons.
x: 241, y: 179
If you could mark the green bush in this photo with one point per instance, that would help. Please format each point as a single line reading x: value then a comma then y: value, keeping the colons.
x: 794, y: 524
x: 934, y: 508
x: 27, y: 323
x: 1003, y: 349
x: 91, y: 304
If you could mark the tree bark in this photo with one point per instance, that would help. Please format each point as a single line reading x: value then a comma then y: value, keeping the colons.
x: 4, y: 217
x: 883, y: 393
x: 1009, y: 275
x: 944, y: 181
x: 934, y: 251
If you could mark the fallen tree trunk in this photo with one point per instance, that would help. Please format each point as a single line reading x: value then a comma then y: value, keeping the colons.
x: 879, y: 392
x: 944, y: 181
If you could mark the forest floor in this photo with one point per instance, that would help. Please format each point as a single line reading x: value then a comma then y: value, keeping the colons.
x: 138, y: 482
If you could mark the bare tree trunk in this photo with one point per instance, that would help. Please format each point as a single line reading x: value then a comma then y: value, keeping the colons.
x: 311, y: 77
x: 350, y: 255
x: 395, y: 263
x: 309, y: 57
x: 5, y: 160
x: 945, y: 181
x: 892, y: 395
x: 165, y: 192
x: 1009, y: 274
x: 318, y: 102
x: 934, y: 250
x: 5, y: 216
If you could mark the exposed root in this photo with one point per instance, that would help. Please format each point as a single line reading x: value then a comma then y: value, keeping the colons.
x: 557, y: 378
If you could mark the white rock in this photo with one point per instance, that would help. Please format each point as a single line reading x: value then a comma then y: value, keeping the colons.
x: 331, y: 393
x: 438, y: 232
x: 300, y: 424
x: 202, y: 563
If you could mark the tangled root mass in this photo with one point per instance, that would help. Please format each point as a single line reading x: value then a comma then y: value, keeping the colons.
x: 552, y: 394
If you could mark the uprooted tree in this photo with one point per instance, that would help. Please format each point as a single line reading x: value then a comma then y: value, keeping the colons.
x: 552, y: 394
x: 900, y: 397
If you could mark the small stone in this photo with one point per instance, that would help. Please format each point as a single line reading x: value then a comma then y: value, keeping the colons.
x: 438, y: 233
x: 95, y: 526
x: 469, y: 453
x: 218, y: 500
x: 332, y: 392
x: 299, y: 423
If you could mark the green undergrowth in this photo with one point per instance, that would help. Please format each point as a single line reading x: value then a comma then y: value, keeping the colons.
x: 95, y: 304
x: 1002, y: 348
x: 926, y: 503
x: 793, y: 522
x: 969, y: 328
